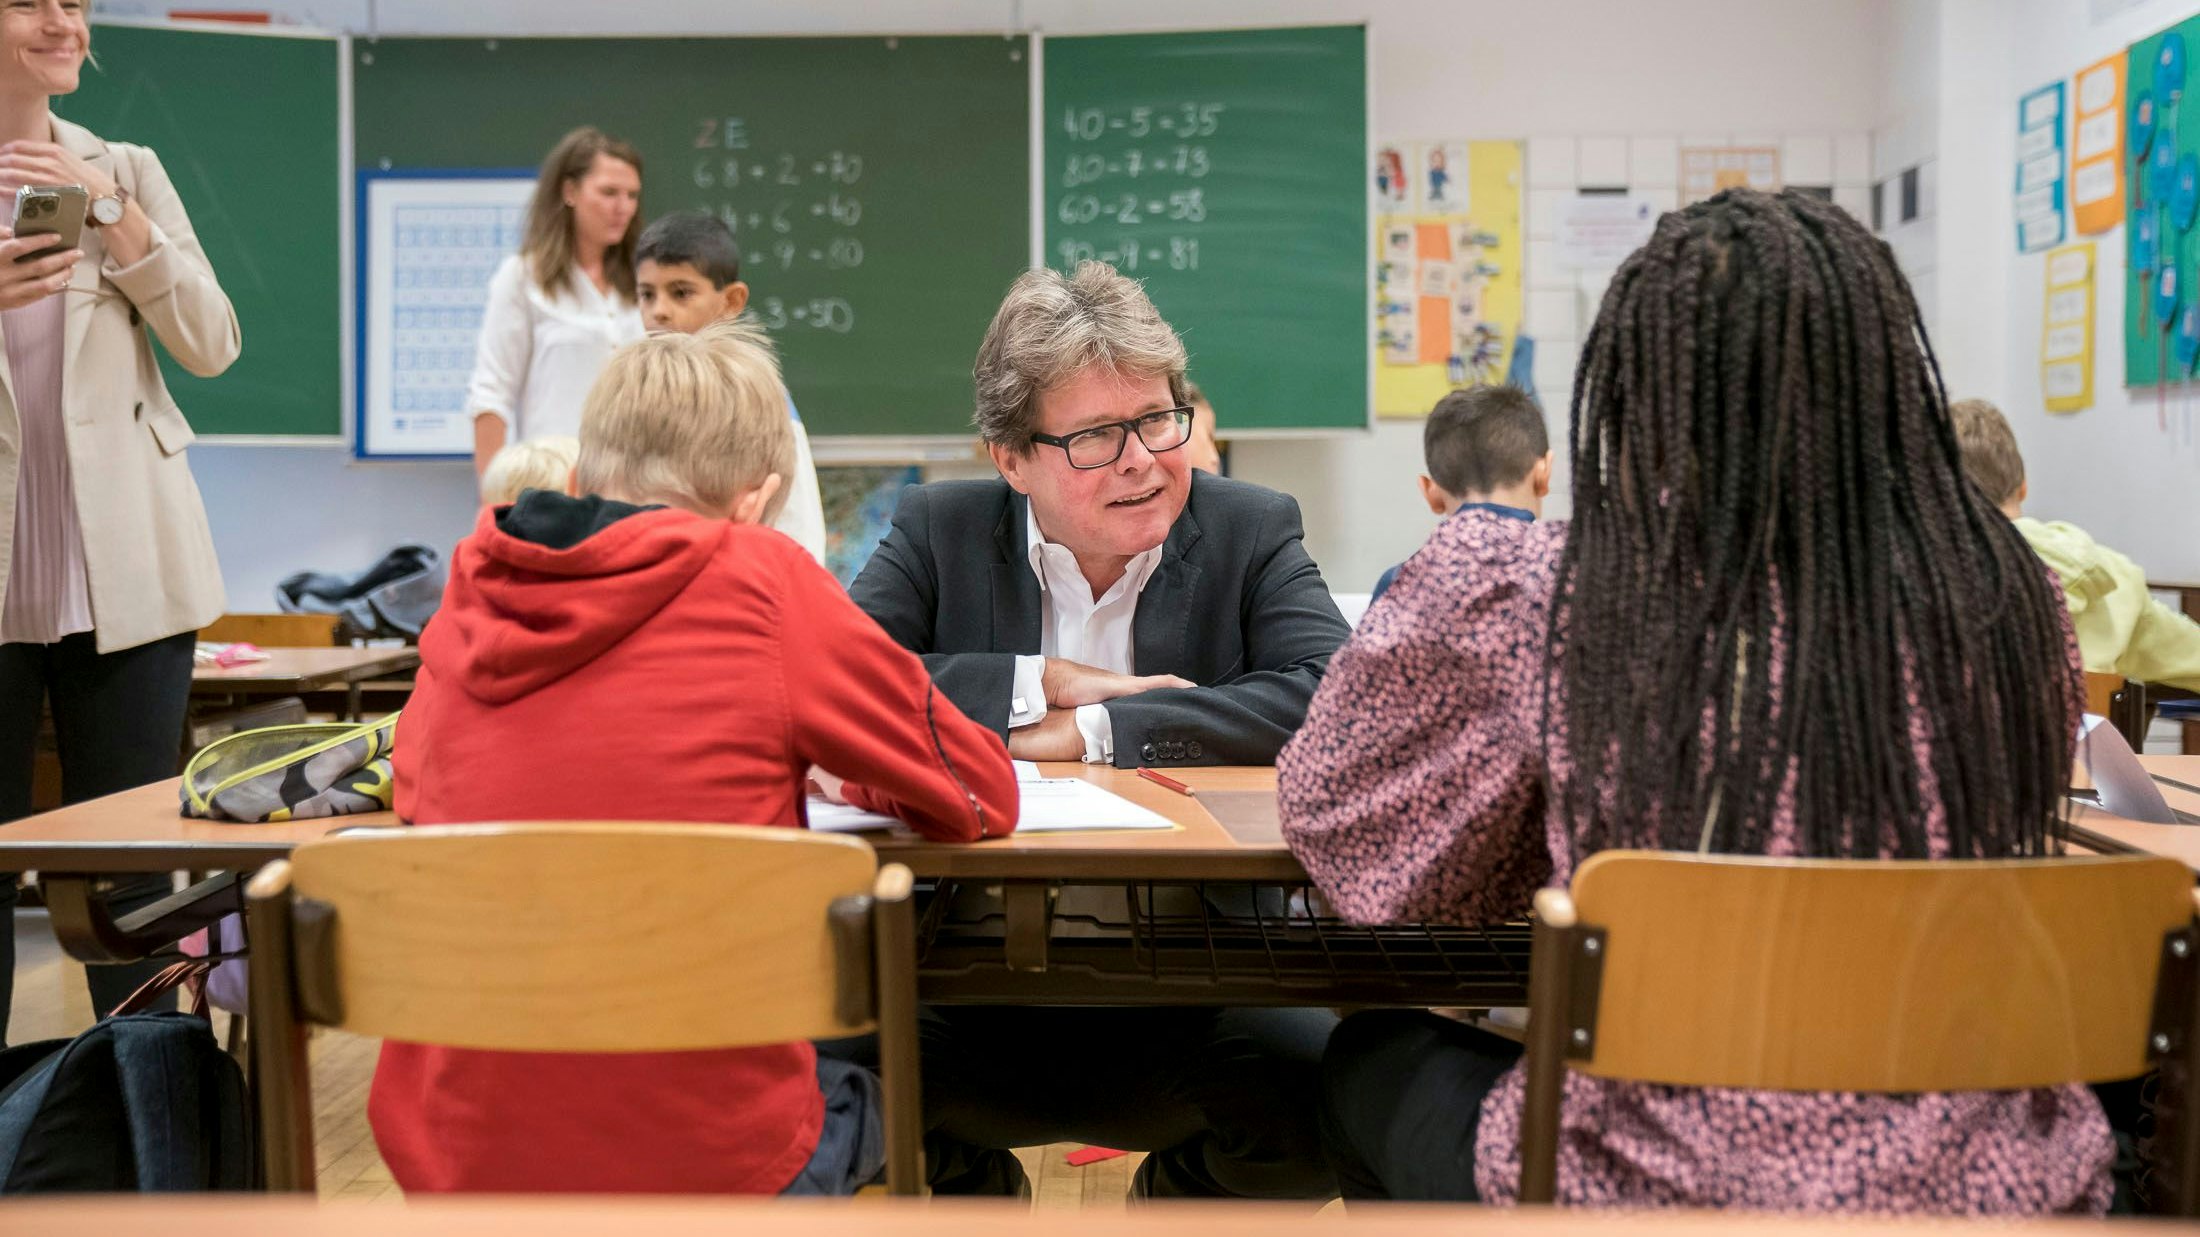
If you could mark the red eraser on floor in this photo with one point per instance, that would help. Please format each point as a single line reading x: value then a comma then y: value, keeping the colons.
x: 1092, y: 1155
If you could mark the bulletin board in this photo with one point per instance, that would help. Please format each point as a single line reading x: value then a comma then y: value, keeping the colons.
x: 1448, y: 283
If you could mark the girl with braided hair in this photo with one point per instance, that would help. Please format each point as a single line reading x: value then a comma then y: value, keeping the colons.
x: 1781, y: 622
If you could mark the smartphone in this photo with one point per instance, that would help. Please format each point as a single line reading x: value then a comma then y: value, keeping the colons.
x: 50, y: 210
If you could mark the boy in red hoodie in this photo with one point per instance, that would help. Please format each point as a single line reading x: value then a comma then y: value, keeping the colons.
x: 653, y: 651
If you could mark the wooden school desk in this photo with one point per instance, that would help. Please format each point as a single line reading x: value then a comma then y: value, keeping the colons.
x: 2098, y: 831
x: 295, y: 672
x: 240, y: 1215
x: 1176, y: 920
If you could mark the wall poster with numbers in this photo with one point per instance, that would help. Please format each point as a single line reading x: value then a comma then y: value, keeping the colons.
x: 428, y: 244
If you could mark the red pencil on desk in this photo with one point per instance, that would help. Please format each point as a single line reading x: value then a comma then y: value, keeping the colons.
x: 1169, y: 783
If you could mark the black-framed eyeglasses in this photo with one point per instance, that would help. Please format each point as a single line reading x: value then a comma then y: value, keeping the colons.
x: 1102, y: 445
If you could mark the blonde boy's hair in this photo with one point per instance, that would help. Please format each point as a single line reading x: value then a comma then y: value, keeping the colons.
x: 543, y: 464
x: 690, y: 421
x: 1989, y: 448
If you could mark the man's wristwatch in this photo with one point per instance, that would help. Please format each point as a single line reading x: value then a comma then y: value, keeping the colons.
x: 107, y: 212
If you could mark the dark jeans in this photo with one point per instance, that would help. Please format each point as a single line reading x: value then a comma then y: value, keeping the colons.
x: 118, y: 720
x: 1223, y: 1100
x: 1402, y: 1096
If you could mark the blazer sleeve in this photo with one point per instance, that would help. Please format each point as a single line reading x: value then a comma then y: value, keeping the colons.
x: 173, y: 285
x: 865, y: 710
x: 899, y: 589
x: 1292, y: 627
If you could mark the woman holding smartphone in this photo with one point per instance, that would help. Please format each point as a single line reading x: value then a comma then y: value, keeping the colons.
x: 560, y: 306
x: 107, y: 569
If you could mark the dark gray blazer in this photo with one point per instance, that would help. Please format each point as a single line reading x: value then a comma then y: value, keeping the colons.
x: 1235, y: 605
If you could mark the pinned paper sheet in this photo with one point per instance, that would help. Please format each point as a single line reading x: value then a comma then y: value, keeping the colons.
x: 2041, y: 187
x: 1050, y: 805
x: 1448, y: 287
x: 2097, y: 162
x: 2066, y: 333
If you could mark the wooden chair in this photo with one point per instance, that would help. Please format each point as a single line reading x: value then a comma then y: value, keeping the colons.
x: 2123, y: 702
x: 1872, y: 976
x: 711, y: 936
x: 273, y: 631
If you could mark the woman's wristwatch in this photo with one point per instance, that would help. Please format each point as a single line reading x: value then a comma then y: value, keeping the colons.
x: 107, y: 212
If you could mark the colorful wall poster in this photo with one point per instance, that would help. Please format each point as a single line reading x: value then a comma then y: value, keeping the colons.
x: 2161, y: 197
x: 2097, y: 154
x: 2066, y: 331
x: 1447, y: 272
x: 1705, y: 170
x: 2040, y: 169
x: 1393, y: 187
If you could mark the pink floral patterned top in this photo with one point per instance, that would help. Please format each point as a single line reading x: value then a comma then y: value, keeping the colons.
x: 1416, y: 792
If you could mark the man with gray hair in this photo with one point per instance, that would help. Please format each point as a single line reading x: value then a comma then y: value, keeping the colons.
x: 1103, y: 602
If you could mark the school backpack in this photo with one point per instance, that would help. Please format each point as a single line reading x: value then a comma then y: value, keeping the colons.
x: 141, y: 1102
x: 395, y: 597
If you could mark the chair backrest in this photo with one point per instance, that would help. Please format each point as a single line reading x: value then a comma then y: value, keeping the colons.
x: 601, y: 937
x: 2100, y: 692
x: 1841, y: 975
x: 273, y: 631
x: 581, y: 937
x: 1876, y: 976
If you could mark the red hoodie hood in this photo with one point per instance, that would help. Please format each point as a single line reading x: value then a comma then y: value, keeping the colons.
x: 520, y: 615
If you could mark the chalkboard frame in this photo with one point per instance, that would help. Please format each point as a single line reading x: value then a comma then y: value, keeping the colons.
x: 341, y: 43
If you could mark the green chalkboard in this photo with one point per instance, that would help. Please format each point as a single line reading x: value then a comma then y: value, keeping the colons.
x: 879, y: 186
x: 1228, y: 170
x: 247, y: 127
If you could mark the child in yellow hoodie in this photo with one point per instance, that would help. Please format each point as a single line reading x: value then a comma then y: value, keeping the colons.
x: 2122, y: 629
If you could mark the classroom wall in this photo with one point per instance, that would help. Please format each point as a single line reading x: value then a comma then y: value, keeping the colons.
x: 1585, y: 76
x: 2115, y: 469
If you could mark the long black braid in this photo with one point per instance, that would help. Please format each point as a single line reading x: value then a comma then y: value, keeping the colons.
x: 1778, y: 580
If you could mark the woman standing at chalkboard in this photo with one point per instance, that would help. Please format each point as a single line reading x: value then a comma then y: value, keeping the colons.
x: 561, y: 305
x: 107, y: 569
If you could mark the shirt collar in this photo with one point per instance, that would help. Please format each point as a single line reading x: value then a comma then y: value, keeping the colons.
x: 1038, y: 549
x: 1498, y: 509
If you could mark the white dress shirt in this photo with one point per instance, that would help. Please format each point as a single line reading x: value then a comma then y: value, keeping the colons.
x: 539, y: 353
x: 1076, y: 626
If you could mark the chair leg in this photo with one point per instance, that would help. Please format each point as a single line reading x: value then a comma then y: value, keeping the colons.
x: 1550, y: 972
x: 894, y: 925
x: 282, y: 1075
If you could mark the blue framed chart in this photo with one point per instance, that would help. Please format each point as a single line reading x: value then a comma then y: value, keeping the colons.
x: 429, y: 241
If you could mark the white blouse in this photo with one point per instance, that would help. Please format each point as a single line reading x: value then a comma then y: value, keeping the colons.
x: 538, y: 353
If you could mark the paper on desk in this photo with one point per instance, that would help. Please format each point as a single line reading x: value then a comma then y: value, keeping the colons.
x: 1028, y: 771
x: 2121, y: 782
x: 1050, y: 805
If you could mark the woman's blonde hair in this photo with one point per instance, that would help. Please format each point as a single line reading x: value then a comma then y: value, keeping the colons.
x: 548, y: 242
x: 690, y: 421
x: 542, y: 464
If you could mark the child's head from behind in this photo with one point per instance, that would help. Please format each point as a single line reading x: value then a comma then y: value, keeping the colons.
x: 542, y: 464
x: 1486, y: 443
x: 1777, y: 577
x: 687, y: 273
x: 1990, y: 455
x: 696, y: 421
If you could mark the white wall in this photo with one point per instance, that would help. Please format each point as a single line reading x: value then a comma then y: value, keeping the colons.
x: 1604, y: 69
x: 2111, y: 469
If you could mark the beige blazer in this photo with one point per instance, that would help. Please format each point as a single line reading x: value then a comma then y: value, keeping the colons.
x: 146, y: 544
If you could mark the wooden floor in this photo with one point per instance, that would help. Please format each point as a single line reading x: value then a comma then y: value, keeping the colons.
x: 50, y: 1002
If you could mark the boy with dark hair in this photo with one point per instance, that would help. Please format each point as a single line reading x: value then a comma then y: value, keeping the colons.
x: 1487, y: 451
x: 687, y: 275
